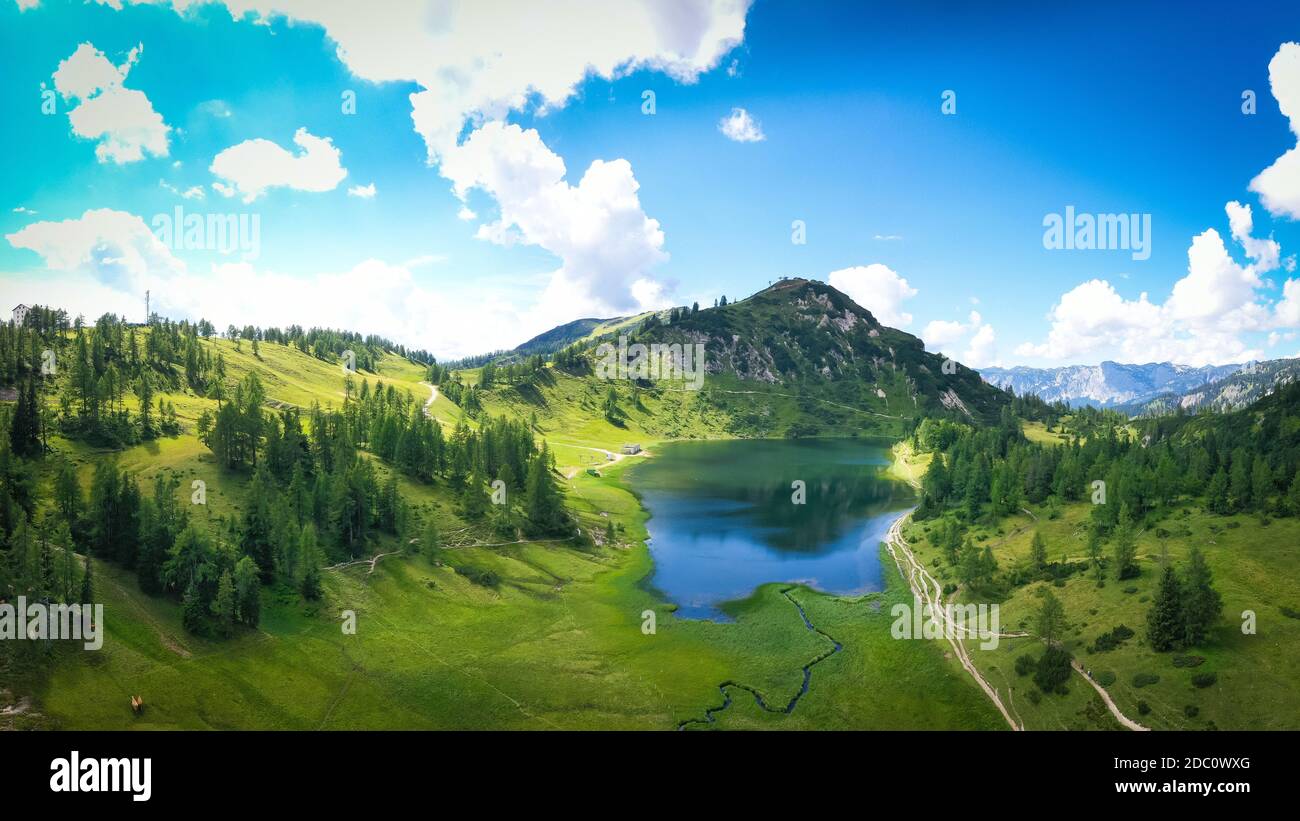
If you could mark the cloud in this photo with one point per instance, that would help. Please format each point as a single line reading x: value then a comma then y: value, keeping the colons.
x: 473, y: 63
x: 115, y: 247
x: 365, y: 192
x: 946, y: 337
x: 194, y: 192
x: 877, y: 288
x: 983, y: 349
x: 741, y: 127
x: 121, y: 119
x: 1201, y: 321
x: 1278, y: 185
x: 254, y: 166
x: 605, y: 241
x: 472, y: 66
x: 940, y: 334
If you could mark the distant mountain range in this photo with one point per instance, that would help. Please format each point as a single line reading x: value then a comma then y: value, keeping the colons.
x: 1251, y: 382
x: 1109, y: 384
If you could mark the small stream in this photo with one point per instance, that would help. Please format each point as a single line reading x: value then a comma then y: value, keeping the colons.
x: 726, y: 686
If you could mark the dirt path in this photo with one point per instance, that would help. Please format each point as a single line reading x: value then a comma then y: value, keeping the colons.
x: 918, y: 578
x: 1105, y: 696
x: 610, y: 458
x: 433, y: 397
x: 926, y: 588
x: 797, y: 396
x: 372, y: 561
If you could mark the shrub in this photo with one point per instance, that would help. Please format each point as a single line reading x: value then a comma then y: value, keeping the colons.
x: 1289, y: 613
x: 1143, y: 708
x: 1105, y: 678
x: 1188, y: 661
x: 1131, y: 589
x: 1025, y: 665
x: 1203, y: 680
x: 1053, y: 669
x: 1145, y: 679
x: 1191, y: 711
x: 1113, y: 639
x: 1035, y: 696
x: 479, y: 576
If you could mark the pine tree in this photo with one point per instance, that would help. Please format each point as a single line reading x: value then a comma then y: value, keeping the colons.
x: 1051, y: 618
x: 1216, y: 494
x: 192, y: 616
x: 1165, y: 628
x: 1261, y: 484
x: 88, y: 583
x: 1201, y: 602
x: 309, y: 557
x: 545, y: 510
x: 248, y: 591
x: 1125, y: 552
x: 1038, y: 551
x: 224, y: 605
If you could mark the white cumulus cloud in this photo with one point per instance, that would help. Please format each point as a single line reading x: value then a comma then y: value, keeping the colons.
x: 741, y: 127
x: 116, y: 247
x: 879, y: 289
x: 1200, y: 323
x: 1278, y: 185
x: 254, y: 166
x: 605, y: 241
x: 122, y: 120
x: 473, y: 65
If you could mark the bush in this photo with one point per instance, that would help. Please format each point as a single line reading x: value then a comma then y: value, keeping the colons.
x: 1025, y: 665
x: 1111, y: 640
x: 1143, y: 708
x: 1035, y: 696
x: 1053, y: 669
x: 1188, y: 661
x: 1203, y: 680
x: 1105, y: 678
x: 479, y: 576
x: 1191, y: 711
x: 1145, y: 679
x: 1289, y: 613
x: 1131, y: 589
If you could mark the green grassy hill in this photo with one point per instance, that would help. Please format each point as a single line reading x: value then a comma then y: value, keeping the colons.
x: 555, y: 642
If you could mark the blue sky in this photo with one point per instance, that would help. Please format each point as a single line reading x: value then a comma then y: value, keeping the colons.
x: 1120, y: 110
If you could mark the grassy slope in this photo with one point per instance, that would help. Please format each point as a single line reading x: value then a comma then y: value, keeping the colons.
x: 558, y: 644
x: 1254, y: 567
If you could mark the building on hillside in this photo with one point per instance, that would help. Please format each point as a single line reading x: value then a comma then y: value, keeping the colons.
x: 20, y: 314
x: 631, y: 450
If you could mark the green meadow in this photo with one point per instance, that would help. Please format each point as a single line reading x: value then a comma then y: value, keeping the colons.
x: 1254, y: 564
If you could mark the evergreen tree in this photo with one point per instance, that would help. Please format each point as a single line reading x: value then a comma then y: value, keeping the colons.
x: 545, y: 509
x: 192, y: 616
x: 1038, y: 551
x: 309, y: 556
x: 1126, y: 566
x: 88, y: 583
x: 1165, y: 629
x: 224, y: 605
x: 1216, y: 494
x: 248, y: 591
x: 1051, y: 618
x: 1201, y: 602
